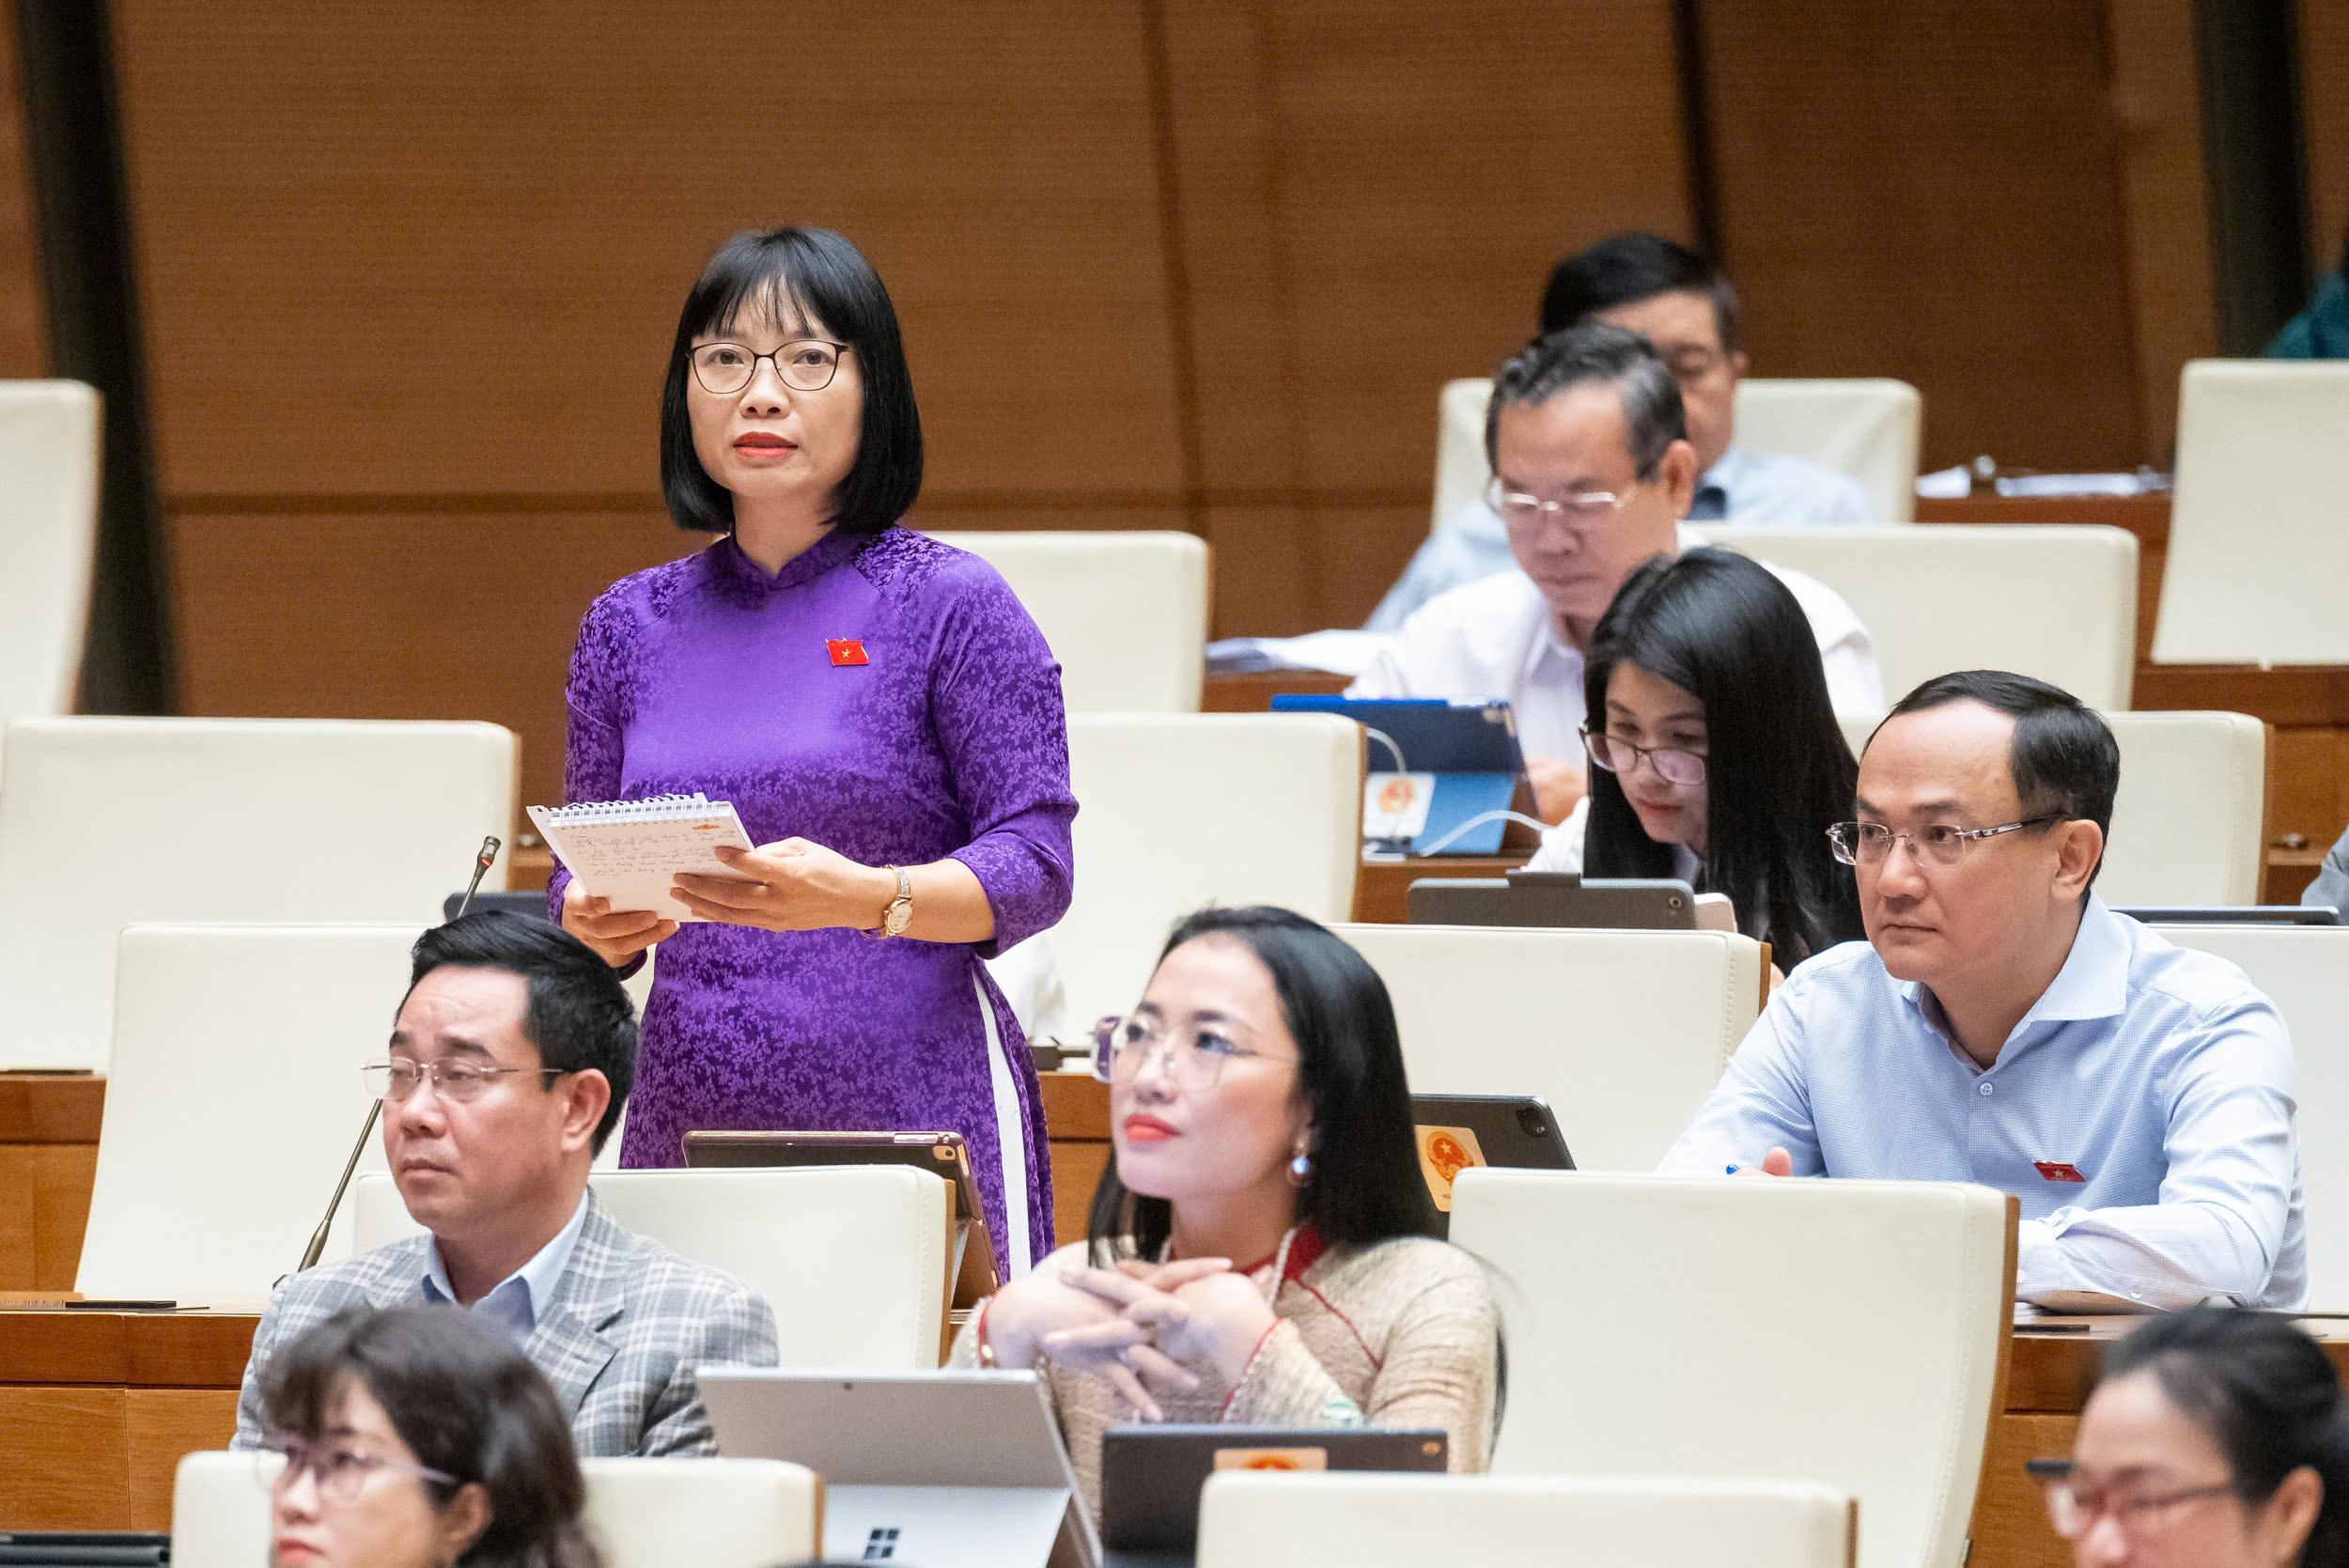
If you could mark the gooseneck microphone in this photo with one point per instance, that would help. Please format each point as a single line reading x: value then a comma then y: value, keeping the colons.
x: 311, y: 1253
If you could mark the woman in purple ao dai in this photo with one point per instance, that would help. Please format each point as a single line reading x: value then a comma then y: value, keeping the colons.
x: 885, y: 717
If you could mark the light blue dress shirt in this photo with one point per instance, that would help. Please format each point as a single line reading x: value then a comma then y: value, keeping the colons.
x: 516, y: 1300
x: 2143, y: 1111
x: 2331, y: 885
x: 1743, y: 487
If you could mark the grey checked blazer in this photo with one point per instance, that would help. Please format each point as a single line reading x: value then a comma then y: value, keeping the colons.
x: 619, y: 1340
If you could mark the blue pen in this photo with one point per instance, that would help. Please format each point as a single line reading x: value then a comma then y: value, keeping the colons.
x: 1730, y: 1171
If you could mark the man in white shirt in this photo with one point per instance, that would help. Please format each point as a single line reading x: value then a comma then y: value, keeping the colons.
x: 1686, y: 308
x: 1592, y: 470
x: 2000, y: 1025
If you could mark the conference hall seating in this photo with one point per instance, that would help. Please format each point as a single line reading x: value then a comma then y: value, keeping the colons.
x: 49, y: 451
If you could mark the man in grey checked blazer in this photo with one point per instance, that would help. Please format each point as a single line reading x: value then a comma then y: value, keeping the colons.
x: 510, y: 1059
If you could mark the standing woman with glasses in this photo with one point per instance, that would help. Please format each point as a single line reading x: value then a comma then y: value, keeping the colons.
x: 2216, y: 1438
x: 417, y: 1437
x: 1259, y: 1250
x: 884, y: 715
x: 1715, y: 756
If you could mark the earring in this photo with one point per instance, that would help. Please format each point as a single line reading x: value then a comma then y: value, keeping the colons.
x: 1301, y: 1170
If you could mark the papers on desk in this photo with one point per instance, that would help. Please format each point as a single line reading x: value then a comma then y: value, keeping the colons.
x: 1341, y: 651
x: 1955, y: 484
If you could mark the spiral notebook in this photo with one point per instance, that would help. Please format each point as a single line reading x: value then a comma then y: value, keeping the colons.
x: 628, y: 851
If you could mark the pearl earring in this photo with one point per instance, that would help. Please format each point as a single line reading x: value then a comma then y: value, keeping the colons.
x: 1300, y: 1170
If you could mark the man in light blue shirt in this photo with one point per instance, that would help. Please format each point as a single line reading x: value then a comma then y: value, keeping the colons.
x: 1686, y: 307
x: 2000, y: 1025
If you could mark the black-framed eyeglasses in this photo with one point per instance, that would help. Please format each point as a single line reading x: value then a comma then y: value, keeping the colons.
x: 805, y: 364
x: 461, y: 1082
x: 1871, y: 843
x: 342, y: 1471
x: 1674, y: 765
x: 2073, y: 1508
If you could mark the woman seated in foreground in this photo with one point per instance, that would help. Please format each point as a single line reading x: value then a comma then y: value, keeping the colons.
x: 2216, y: 1438
x: 1714, y: 755
x: 419, y: 1437
x: 1258, y: 1251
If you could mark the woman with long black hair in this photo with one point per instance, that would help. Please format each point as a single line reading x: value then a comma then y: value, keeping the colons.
x: 1714, y: 755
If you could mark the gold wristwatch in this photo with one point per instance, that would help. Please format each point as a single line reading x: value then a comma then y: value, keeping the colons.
x: 898, y: 914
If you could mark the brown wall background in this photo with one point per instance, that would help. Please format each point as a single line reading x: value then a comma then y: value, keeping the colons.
x: 409, y: 273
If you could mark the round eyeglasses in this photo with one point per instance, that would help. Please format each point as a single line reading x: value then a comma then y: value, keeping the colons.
x: 1123, y: 1047
x: 808, y: 365
x: 1674, y: 765
x: 460, y: 1081
x: 1871, y: 843
x: 341, y: 1471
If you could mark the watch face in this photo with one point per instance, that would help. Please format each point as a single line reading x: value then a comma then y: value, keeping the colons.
x: 899, y: 916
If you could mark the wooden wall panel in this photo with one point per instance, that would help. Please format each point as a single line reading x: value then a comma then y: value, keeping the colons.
x: 439, y: 248
x: 24, y: 336
x: 2158, y: 110
x: 2324, y: 120
x: 1930, y: 192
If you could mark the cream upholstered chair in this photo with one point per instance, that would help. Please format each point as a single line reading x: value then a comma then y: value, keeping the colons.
x: 2188, y: 823
x: 111, y: 822
x: 49, y: 449
x: 1256, y: 1518
x: 1126, y: 612
x: 232, y: 1101
x: 1865, y: 429
x: 709, y: 1513
x: 2259, y: 538
x: 1846, y: 1332
x: 2054, y: 602
x: 1622, y: 1032
x: 851, y: 1259
x: 2304, y: 970
x: 1178, y: 810
x: 220, y: 1510
x: 1866, y: 426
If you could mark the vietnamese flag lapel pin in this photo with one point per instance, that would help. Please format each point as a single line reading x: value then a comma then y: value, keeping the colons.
x: 845, y: 651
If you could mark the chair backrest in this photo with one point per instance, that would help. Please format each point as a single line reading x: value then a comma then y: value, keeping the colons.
x: 1178, y: 810
x: 220, y: 1510
x: 709, y: 1513
x: 851, y: 1259
x: 49, y: 449
x: 1863, y: 427
x: 2188, y: 820
x: 1256, y: 1518
x: 2259, y: 533
x: 1126, y: 612
x: 232, y: 1101
x: 1866, y: 428
x: 112, y: 822
x: 1847, y: 1332
x: 2058, y: 602
x: 2304, y: 970
x: 1623, y: 1032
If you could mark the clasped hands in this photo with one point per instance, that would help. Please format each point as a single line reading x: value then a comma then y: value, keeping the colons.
x: 793, y: 884
x: 1135, y: 1324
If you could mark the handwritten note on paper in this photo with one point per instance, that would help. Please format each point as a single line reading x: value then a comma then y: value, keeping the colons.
x: 631, y: 857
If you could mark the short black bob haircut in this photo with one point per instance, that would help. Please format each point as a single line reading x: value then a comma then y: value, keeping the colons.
x: 1778, y: 770
x: 2264, y: 1394
x: 1366, y: 1184
x: 2063, y: 759
x: 816, y: 277
x: 1624, y: 269
x: 578, y: 1014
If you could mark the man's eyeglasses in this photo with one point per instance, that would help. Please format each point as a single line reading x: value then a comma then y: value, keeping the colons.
x: 806, y: 366
x: 459, y: 1081
x: 1123, y: 1047
x: 1582, y: 512
x: 342, y: 1471
x: 1871, y: 843
x: 2073, y: 1508
x: 1672, y: 764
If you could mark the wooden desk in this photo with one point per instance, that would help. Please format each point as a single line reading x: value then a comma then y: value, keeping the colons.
x: 48, y: 1160
x: 96, y: 1409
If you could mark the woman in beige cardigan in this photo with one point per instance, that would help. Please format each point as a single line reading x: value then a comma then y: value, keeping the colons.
x: 1258, y: 1251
